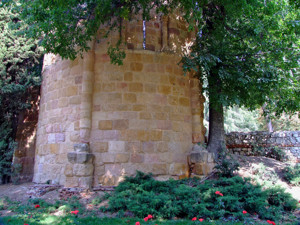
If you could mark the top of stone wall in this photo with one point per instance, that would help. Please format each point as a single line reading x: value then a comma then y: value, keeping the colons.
x: 279, y: 138
x: 266, y: 133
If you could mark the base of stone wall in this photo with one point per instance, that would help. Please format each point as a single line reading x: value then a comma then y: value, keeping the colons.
x: 258, y: 143
x: 200, y: 161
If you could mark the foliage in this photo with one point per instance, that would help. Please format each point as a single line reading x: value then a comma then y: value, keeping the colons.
x: 247, y: 57
x: 19, y: 75
x: 226, y: 165
x: 273, y: 152
x: 292, y: 174
x: 68, y: 220
x: 142, y: 195
x: 265, y: 176
x: 282, y: 123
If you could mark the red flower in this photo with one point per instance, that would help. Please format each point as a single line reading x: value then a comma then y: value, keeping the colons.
x: 37, y: 206
x: 26, y: 224
x: 245, y: 212
x: 137, y: 223
x: 146, y: 219
x: 218, y: 193
x: 271, y: 222
x: 150, y: 216
x: 194, y: 219
x: 201, y: 220
x: 75, y: 212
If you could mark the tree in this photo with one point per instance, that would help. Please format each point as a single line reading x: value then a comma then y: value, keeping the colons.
x: 246, y: 51
x: 19, y: 74
x: 248, y: 57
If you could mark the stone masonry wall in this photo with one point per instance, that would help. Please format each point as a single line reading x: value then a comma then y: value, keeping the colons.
x: 243, y: 143
x: 99, y: 122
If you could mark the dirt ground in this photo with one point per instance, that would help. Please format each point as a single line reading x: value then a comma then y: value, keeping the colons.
x: 248, y: 168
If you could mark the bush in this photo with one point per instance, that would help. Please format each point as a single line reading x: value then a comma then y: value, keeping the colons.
x: 270, y: 152
x: 292, y: 174
x: 226, y: 165
x: 142, y: 195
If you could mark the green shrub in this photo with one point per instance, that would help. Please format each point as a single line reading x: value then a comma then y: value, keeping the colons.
x: 142, y: 195
x: 292, y: 174
x: 270, y: 152
x: 226, y: 165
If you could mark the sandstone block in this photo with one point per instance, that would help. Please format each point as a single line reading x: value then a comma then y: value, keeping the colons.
x: 163, y: 89
x: 178, y: 169
x: 122, y: 158
x: 105, y: 125
x: 72, y: 157
x: 128, y: 76
x: 81, y: 147
x: 107, y: 158
x: 71, y: 91
x: 150, y: 88
x: 83, y: 157
x: 51, y: 138
x: 136, y: 87
x: 139, y: 107
x: 83, y: 169
x: 149, y: 147
x: 116, y: 76
x: 69, y: 170
x: 184, y: 102
x: 72, y: 182
x: 136, y: 158
x: 107, y: 180
x: 145, y: 116
x: 59, y: 137
x: 54, y: 148
x: 198, y: 157
x: 135, y: 66
x: 120, y: 124
x: 129, y: 98
x: 99, y: 147
x: 116, y: 147
x: 85, y: 182
x: 108, y: 87
x: 155, y: 135
x: 158, y: 169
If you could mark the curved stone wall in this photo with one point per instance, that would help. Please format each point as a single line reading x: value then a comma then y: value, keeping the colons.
x: 99, y: 122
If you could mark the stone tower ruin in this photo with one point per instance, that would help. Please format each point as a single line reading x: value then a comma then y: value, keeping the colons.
x: 99, y: 122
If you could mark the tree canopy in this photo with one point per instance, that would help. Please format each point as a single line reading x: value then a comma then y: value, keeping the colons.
x: 247, y: 51
x: 19, y: 74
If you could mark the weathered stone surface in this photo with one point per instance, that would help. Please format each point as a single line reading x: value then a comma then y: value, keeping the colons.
x: 142, y: 115
x: 83, y: 157
x: 83, y: 169
x: 198, y: 157
x: 72, y: 157
x: 243, y: 143
x: 82, y: 147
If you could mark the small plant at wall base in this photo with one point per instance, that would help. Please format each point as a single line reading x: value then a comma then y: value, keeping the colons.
x: 270, y: 152
x: 226, y: 165
x: 292, y: 174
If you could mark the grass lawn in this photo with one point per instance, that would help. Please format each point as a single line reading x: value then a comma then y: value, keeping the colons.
x: 55, y: 220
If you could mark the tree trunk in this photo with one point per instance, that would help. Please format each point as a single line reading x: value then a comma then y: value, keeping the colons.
x: 216, y: 135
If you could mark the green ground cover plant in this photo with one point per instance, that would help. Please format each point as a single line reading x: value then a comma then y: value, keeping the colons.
x: 227, y: 200
x: 292, y: 174
x: 222, y: 199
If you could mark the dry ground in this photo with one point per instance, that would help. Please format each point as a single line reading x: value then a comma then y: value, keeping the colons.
x: 249, y: 167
